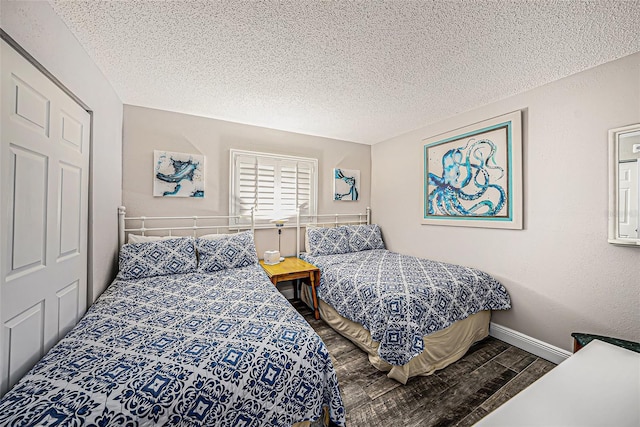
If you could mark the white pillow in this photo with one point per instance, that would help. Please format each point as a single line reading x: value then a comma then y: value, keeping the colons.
x: 217, y: 236
x: 136, y: 238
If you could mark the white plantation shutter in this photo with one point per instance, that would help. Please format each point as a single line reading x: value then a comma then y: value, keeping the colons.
x: 272, y: 184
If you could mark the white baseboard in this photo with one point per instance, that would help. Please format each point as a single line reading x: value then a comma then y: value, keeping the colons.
x: 529, y: 344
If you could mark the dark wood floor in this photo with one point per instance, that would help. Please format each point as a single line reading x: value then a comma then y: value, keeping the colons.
x: 461, y: 394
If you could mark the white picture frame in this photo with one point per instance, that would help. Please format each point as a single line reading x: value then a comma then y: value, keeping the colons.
x: 178, y: 174
x: 473, y: 175
x: 346, y: 185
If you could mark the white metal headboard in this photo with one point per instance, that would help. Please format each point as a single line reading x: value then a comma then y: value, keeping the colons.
x: 331, y: 220
x: 194, y: 226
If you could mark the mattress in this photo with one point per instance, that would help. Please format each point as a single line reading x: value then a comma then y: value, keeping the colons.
x: 190, y: 349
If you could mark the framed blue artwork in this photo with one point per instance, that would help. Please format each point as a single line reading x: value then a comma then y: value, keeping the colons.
x: 473, y: 175
x: 346, y: 184
x: 178, y: 174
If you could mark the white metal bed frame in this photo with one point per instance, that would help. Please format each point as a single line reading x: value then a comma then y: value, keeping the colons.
x: 333, y: 220
x: 168, y: 231
x: 317, y: 220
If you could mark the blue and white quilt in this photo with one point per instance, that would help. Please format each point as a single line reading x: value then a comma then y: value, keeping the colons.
x: 194, y: 349
x: 400, y: 299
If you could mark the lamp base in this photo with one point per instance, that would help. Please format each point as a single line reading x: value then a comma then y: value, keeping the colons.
x: 272, y: 257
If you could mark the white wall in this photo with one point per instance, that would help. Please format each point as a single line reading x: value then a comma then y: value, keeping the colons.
x: 147, y: 129
x: 561, y: 273
x: 36, y: 27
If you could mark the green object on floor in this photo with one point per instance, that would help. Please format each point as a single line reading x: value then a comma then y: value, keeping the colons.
x: 583, y: 339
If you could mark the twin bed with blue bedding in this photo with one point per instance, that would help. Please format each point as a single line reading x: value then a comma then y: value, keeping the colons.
x: 411, y: 315
x: 191, y: 333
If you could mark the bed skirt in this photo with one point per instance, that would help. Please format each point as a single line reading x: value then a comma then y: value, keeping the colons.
x: 323, y: 421
x: 441, y: 348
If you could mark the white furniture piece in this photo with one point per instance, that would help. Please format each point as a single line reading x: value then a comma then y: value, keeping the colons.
x: 597, y: 386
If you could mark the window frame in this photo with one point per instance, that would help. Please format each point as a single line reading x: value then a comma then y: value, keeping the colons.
x: 280, y: 161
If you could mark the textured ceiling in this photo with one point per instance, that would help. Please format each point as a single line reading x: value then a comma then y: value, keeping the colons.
x: 361, y: 71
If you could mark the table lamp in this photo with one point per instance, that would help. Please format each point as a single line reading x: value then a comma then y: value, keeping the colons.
x: 279, y: 223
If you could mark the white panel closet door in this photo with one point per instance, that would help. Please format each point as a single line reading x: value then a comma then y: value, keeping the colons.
x: 44, y: 177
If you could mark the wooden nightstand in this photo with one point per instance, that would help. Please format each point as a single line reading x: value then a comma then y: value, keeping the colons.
x: 293, y: 268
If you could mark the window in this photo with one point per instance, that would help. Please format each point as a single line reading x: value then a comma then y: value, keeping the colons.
x: 274, y: 185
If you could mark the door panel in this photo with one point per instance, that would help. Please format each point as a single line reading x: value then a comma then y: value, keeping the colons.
x: 70, y: 210
x: 67, y: 308
x: 31, y: 107
x: 43, y: 215
x: 28, y: 188
x: 26, y: 340
x: 71, y: 131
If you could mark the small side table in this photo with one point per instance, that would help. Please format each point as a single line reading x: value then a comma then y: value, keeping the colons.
x: 293, y: 268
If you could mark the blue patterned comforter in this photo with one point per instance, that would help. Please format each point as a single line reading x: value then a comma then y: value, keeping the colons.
x: 400, y: 298
x: 220, y: 349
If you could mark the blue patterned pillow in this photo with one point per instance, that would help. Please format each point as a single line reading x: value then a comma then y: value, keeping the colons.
x: 365, y: 237
x: 237, y: 250
x: 158, y: 258
x: 328, y: 241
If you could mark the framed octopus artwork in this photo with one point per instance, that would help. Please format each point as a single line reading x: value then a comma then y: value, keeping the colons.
x: 473, y: 175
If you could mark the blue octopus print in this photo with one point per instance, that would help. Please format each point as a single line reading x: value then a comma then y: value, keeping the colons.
x: 472, y: 167
x: 351, y: 181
